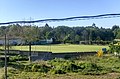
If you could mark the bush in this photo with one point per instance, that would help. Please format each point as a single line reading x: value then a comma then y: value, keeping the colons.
x: 90, y: 68
x: 114, y: 48
x: 2, y: 63
x: 67, y: 66
x: 27, y: 68
x: 16, y: 65
x: 36, y: 68
x: 57, y: 71
x: 70, y: 67
x: 18, y: 58
x: 62, y: 66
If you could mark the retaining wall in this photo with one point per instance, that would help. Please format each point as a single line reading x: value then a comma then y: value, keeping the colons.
x: 45, y: 55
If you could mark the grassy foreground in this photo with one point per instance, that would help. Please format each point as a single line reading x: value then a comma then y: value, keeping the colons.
x: 89, y: 67
x: 62, y: 48
x: 1, y: 72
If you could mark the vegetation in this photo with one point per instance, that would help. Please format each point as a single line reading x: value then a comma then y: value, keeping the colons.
x: 62, y: 34
x: 59, y: 48
x: 79, y: 67
x: 98, y: 65
x: 114, y: 48
x: 18, y: 58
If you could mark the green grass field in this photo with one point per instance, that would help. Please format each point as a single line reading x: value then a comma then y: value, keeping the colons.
x: 59, y: 48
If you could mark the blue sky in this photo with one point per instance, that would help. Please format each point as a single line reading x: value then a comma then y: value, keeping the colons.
x: 16, y: 10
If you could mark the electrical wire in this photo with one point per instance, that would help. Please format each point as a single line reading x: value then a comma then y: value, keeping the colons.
x: 102, y: 16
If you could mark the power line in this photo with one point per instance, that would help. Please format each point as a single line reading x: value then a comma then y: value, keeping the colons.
x: 102, y: 16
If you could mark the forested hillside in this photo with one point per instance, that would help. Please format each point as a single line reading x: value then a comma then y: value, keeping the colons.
x: 61, y: 34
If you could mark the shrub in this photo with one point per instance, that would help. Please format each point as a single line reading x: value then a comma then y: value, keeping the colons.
x: 57, y: 71
x: 70, y: 67
x: 37, y: 68
x: 2, y: 63
x: 44, y: 69
x: 27, y: 68
x: 16, y: 65
x: 18, y: 58
x: 114, y: 48
x: 90, y: 68
x: 67, y: 66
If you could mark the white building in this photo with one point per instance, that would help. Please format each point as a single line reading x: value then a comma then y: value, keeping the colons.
x: 11, y: 41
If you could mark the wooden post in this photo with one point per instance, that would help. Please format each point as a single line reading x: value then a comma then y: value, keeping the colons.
x: 29, y: 51
x: 5, y: 57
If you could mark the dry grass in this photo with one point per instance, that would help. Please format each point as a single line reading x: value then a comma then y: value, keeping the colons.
x: 77, y: 76
x: 1, y: 73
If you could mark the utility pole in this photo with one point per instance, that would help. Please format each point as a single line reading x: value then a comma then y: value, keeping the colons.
x: 30, y: 51
x: 5, y: 56
x: 30, y: 45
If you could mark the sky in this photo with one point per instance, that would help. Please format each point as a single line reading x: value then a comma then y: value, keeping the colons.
x: 18, y: 10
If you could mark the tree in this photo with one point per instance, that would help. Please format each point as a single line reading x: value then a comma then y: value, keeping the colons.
x: 77, y: 39
x: 61, y: 32
x: 66, y: 38
x: 15, y: 30
x: 114, y: 30
x: 93, y: 25
x: 45, y: 31
x: 115, y: 27
x: 85, y: 35
x: 90, y: 36
x: 30, y: 34
x: 118, y: 34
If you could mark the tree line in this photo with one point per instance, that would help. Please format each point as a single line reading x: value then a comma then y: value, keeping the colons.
x: 61, y: 34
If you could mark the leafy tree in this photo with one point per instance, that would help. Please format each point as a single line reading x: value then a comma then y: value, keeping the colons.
x: 77, y: 39
x: 61, y: 34
x: 66, y: 38
x: 30, y: 34
x: 45, y: 31
x: 118, y: 34
x: 85, y: 35
x: 115, y: 27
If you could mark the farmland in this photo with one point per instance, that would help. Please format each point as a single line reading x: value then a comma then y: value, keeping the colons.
x: 59, y: 48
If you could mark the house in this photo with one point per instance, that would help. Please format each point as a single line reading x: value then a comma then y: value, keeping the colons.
x: 15, y: 41
x: 45, y: 41
x: 18, y: 41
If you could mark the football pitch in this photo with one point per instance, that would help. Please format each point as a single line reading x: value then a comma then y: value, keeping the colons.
x: 60, y: 48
